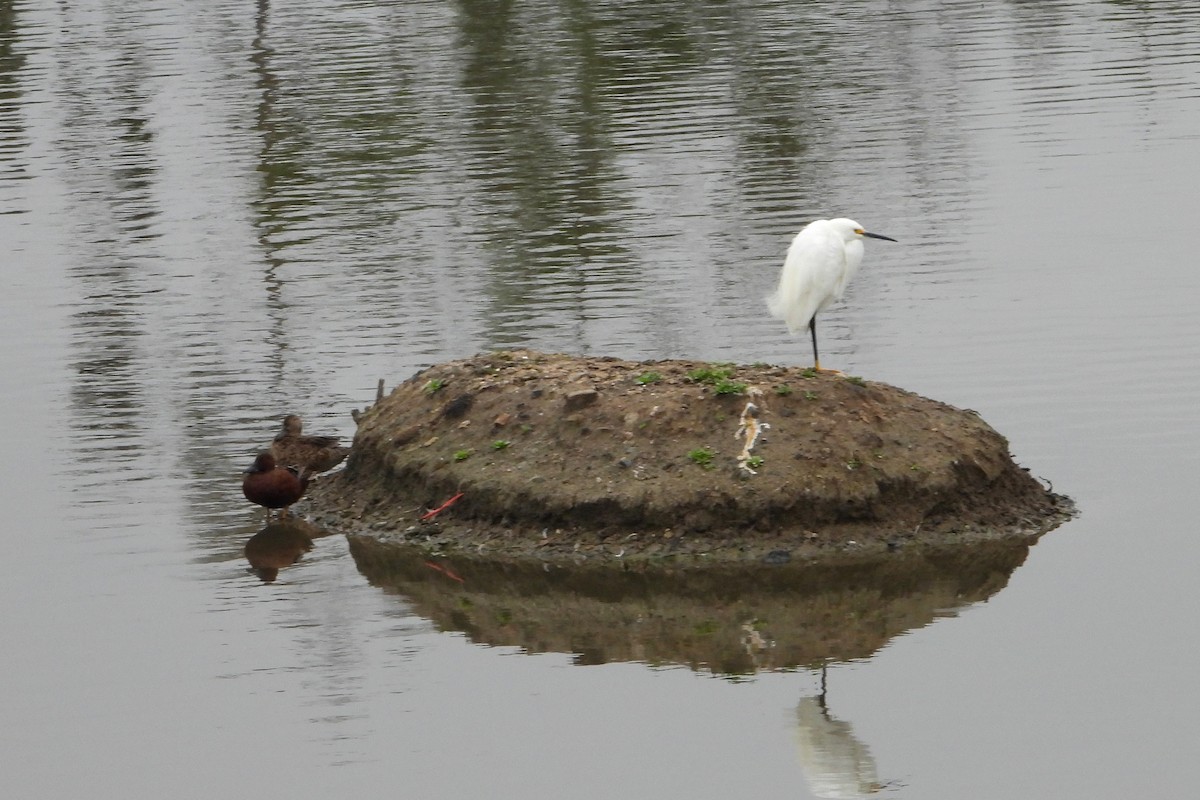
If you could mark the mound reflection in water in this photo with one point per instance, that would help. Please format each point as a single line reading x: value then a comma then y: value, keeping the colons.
x: 729, y: 620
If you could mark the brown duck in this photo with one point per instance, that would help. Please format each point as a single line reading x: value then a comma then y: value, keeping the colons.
x: 267, y: 484
x: 309, y: 454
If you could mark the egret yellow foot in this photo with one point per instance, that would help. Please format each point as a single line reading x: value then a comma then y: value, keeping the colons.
x: 818, y: 368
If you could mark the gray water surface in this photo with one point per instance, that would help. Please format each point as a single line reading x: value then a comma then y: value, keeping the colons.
x: 217, y: 213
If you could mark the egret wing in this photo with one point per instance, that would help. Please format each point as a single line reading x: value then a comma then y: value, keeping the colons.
x: 812, y: 275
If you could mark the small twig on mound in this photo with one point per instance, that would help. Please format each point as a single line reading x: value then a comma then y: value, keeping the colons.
x: 441, y: 508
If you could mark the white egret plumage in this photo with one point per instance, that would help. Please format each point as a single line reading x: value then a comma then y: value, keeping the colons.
x: 820, y: 264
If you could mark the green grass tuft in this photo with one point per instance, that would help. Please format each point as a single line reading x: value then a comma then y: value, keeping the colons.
x: 726, y: 386
x: 710, y: 374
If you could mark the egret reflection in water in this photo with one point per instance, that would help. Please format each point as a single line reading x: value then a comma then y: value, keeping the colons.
x: 837, y: 765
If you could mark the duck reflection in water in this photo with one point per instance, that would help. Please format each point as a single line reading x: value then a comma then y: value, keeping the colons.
x: 309, y: 454
x: 267, y: 484
x: 836, y: 764
x: 281, y: 544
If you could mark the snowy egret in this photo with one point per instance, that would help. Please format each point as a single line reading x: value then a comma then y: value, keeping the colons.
x: 820, y: 264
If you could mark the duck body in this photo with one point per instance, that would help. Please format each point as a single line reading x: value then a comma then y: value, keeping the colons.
x: 309, y: 454
x: 267, y: 484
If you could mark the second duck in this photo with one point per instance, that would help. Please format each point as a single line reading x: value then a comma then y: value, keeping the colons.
x: 309, y: 454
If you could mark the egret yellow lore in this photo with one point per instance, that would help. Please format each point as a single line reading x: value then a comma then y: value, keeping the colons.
x: 820, y: 264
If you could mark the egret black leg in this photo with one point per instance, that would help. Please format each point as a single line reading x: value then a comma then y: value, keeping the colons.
x: 812, y: 328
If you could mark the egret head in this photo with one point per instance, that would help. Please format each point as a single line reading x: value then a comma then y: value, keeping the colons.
x: 851, y: 230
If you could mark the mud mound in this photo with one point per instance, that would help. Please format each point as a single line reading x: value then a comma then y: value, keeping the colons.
x: 563, y: 456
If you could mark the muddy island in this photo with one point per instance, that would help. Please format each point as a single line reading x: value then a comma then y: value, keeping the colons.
x: 520, y: 454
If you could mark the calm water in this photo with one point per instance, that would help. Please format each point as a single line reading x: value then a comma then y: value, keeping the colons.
x: 217, y: 213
